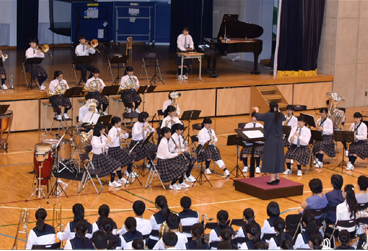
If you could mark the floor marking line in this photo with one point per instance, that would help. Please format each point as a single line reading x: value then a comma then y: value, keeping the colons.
x: 11, y: 237
x: 21, y: 164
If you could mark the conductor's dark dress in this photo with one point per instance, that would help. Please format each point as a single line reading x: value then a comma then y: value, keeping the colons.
x: 273, y: 152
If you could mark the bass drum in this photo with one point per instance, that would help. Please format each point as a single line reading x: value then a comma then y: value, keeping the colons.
x: 43, y: 161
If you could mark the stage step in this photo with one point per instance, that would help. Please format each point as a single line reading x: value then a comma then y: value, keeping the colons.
x: 261, y: 96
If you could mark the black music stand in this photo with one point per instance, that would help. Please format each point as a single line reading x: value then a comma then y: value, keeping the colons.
x: 117, y: 59
x: 309, y: 120
x: 255, y: 141
x: 110, y: 90
x: 147, y: 139
x: 104, y: 119
x: 343, y: 136
x: 231, y: 141
x: 286, y: 131
x: 143, y: 89
x: 315, y: 136
x: 156, y: 79
x: 201, y: 174
x: 73, y: 92
x: 24, y: 65
x: 80, y: 60
x: 190, y: 115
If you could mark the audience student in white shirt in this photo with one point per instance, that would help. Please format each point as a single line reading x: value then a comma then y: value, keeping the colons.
x: 247, y: 151
x: 252, y: 235
x: 102, y: 161
x: 103, y: 211
x: 43, y: 233
x: 173, y: 223
x: 273, y: 212
x: 94, y: 85
x: 197, y: 240
x: 3, y: 72
x: 100, y: 240
x: 223, y: 223
x: 184, y: 44
x: 359, y: 148
x: 170, y: 241
x: 84, y: 49
x: 80, y: 241
x: 327, y: 145
x: 173, y: 101
x: 299, y: 150
x: 138, y: 244
x: 170, y: 117
x: 157, y: 219
x: 132, y: 233
x: 129, y: 85
x: 57, y: 88
x: 188, y: 217
x: 36, y: 70
x: 281, y: 235
x: 249, y: 218
x: 315, y: 241
x: 348, y: 209
x: 206, y: 134
x: 309, y: 227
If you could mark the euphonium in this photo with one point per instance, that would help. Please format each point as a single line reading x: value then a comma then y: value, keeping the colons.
x: 92, y: 104
x: 56, y: 217
x: 22, y: 227
x: 94, y: 85
x: 164, y: 229
x: 59, y: 89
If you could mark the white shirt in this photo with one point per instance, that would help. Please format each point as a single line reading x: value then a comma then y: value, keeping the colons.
x: 137, y: 131
x: 155, y: 226
x: 182, y: 240
x: 83, y: 112
x: 115, y: 139
x: 31, y: 53
x: 81, y: 50
x: 3, y: 58
x: 144, y: 226
x: 251, y: 125
x: 299, y: 243
x: 267, y: 229
x: 169, y: 102
x: 170, y: 124
x: 134, y: 79
x: 55, y: 82
x: 361, y: 132
x: 98, y: 144
x: 204, y: 136
x: 272, y: 244
x: 327, y: 126
x: 102, y: 84
x: 163, y: 150
x: 304, y: 136
x: 189, y: 221
x: 67, y: 234
x: 291, y: 121
x: 95, y: 228
x: 342, y: 213
x: 33, y: 239
x: 184, y: 42
x: 179, y: 141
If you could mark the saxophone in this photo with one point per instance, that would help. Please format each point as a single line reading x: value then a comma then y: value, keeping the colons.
x: 60, y: 89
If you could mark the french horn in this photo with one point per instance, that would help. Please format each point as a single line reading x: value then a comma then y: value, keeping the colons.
x: 60, y: 89
x: 130, y: 83
x: 94, y: 85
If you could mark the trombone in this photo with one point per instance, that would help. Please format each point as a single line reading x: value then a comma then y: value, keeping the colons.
x: 22, y: 227
x: 94, y: 44
x: 56, y: 217
x: 45, y: 49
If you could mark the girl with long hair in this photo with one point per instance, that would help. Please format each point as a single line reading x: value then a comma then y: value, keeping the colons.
x: 170, y: 117
x: 279, y: 226
x: 157, y: 219
x: 43, y: 233
x: 359, y: 148
x: 348, y: 209
x: 132, y: 234
x: 253, y: 235
x: 103, y: 212
x: 197, y: 241
x: 80, y: 241
x: 223, y: 223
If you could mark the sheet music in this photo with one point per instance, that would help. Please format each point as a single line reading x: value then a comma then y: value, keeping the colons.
x: 254, y: 134
x: 91, y: 118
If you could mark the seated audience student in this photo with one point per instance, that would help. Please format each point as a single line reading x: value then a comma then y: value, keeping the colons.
x: 249, y: 218
x: 344, y: 239
x: 253, y: 236
x: 197, y: 241
x: 348, y: 209
x: 173, y: 101
x: 184, y: 44
x: 170, y: 117
x: 157, y: 219
x: 287, y: 245
x: 138, y: 244
x: 290, y: 120
x: 69, y: 232
x: 334, y: 198
x: 43, y: 233
x: 315, y: 241
x: 129, y: 85
x: 114, y: 241
x: 84, y: 49
x: 206, y: 134
x: 226, y: 236
x: 299, y: 149
x: 94, y: 85
x: 260, y: 246
x: 359, y: 148
x: 173, y: 223
x: 327, y: 145
x: 188, y: 217
x: 170, y: 240
x: 132, y: 234
x: 2, y: 72
x: 318, y: 199
x: 100, y: 240
x: 273, y: 212
x: 36, y: 70
x: 57, y: 88
x: 171, y: 166
x: 362, y: 198
x: 224, y: 245
x: 247, y: 150
x: 223, y: 223
x: 143, y: 225
x: 80, y: 241
x: 279, y: 226
x: 365, y: 244
x: 103, y: 212
x: 309, y: 227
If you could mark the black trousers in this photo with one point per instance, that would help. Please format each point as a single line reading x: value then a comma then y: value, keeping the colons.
x: 84, y: 68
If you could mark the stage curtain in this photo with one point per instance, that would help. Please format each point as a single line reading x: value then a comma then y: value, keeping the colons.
x: 188, y: 13
x: 299, y: 38
x: 27, y: 22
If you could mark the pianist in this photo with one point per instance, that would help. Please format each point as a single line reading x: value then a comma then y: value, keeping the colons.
x: 184, y: 44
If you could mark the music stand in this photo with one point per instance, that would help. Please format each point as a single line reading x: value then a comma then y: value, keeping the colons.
x: 143, y: 89
x: 315, y: 136
x: 201, y: 174
x: 146, y: 140
x: 155, y: 79
x: 73, y: 92
x: 190, y: 115
x: 104, y: 119
x: 117, y: 59
x: 343, y: 136
x: 80, y: 60
x: 309, y: 119
x: 231, y: 141
x: 27, y: 62
x: 110, y: 90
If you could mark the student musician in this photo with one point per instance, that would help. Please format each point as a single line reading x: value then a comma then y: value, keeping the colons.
x: 80, y: 241
x: 129, y: 84
x: 327, y: 145
x: 247, y: 151
x: 170, y: 117
x: 206, y: 134
x: 89, y: 106
x: 3, y: 72
x: 299, y: 150
x: 57, y: 88
x: 102, y: 161
x: 173, y: 101
x: 43, y: 233
x: 84, y: 49
x: 291, y: 121
x: 94, y: 85
x: 359, y: 148
x: 36, y: 70
x: 184, y: 44
x: 171, y: 166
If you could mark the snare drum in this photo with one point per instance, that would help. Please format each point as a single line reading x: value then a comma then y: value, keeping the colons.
x: 65, y: 151
x: 52, y: 142
x: 43, y: 161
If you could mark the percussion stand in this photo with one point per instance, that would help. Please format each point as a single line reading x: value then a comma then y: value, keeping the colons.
x: 39, y: 189
x: 57, y: 189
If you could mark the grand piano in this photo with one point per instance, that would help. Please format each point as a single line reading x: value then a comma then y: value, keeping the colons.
x: 234, y: 36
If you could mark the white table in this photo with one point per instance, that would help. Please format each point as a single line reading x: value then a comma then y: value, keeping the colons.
x: 190, y: 55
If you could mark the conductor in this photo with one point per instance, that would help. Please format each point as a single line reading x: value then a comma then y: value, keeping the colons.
x: 273, y: 161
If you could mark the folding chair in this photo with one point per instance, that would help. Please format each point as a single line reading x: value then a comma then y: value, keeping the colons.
x: 153, y: 172
x: 319, y: 215
x: 133, y: 116
x: 241, y: 125
x: 345, y: 224
x: 54, y: 246
x: 31, y: 82
x: 149, y: 59
x: 89, y: 173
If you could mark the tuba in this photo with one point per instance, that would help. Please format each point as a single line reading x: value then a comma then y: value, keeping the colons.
x: 59, y: 89
x: 94, y: 85
x: 22, y: 227
x: 337, y: 116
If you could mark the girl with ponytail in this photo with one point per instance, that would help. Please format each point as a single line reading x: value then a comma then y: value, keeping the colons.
x: 223, y: 223
x: 132, y: 234
x: 249, y: 218
x: 309, y: 227
x: 253, y: 236
x: 344, y: 239
x: 157, y: 219
x: 279, y: 226
x: 103, y: 211
x: 80, y: 241
x: 348, y: 209
x: 197, y: 242
x: 114, y: 241
x: 43, y: 233
x: 315, y: 241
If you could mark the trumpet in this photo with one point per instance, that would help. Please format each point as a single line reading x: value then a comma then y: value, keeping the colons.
x: 45, y: 49
x: 22, y: 227
x: 93, y: 43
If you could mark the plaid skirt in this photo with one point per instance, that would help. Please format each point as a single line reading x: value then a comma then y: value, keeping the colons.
x: 189, y: 159
x: 360, y: 148
x: 97, y: 95
x: 142, y: 152
x: 106, y: 163
x: 327, y: 145
x: 36, y: 70
x: 170, y: 169
x: 60, y: 100
x: 130, y: 96
x: 211, y: 152
x: 286, y: 142
x: 121, y: 155
x: 2, y: 71
x: 248, y: 151
x: 301, y: 154
x: 187, y: 61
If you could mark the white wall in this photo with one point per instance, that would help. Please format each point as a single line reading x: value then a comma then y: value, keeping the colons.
x: 8, y: 18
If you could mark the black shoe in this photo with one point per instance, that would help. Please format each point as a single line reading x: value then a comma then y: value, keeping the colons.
x: 277, y: 181
x: 271, y: 182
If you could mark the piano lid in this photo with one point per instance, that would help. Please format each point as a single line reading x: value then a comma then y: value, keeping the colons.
x: 238, y: 29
